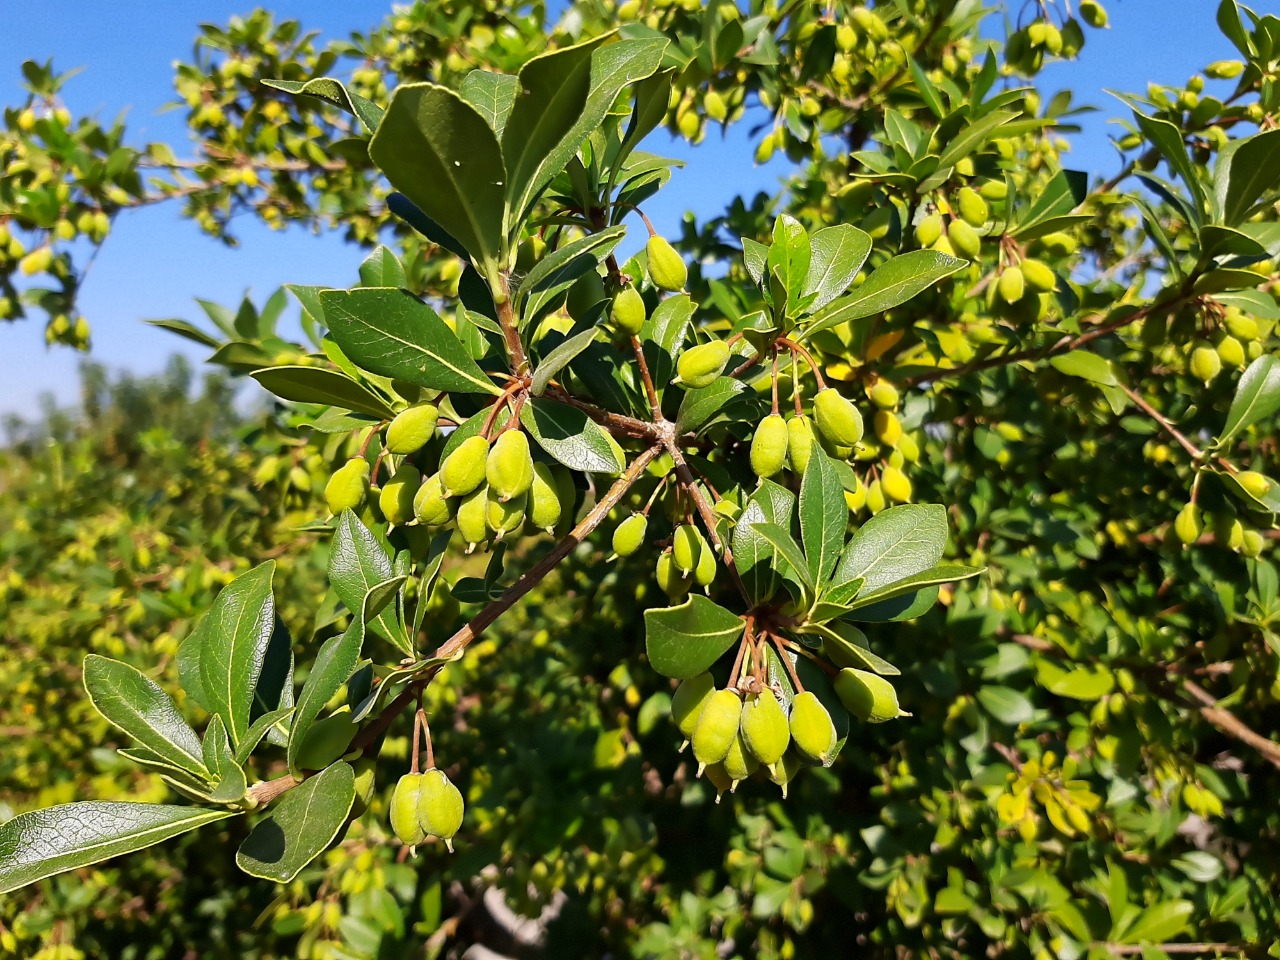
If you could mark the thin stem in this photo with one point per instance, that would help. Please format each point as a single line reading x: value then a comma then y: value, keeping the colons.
x: 1195, y: 452
x: 813, y: 364
x: 648, y: 380
x: 775, y: 381
x: 417, y: 736
x: 426, y: 730
x: 791, y: 667
x: 613, y: 422
x: 706, y: 511
x: 510, y: 333
x: 795, y: 385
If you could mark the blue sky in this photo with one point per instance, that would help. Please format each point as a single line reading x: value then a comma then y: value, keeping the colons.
x: 154, y: 263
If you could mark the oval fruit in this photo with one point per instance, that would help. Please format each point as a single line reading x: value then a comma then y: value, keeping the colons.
x: 629, y: 535
x: 348, y: 486
x: 812, y: 731
x: 412, y: 428
x: 717, y: 727
x: 769, y: 446
x: 464, y: 469
x: 700, y: 366
x: 667, y: 269
x: 430, y: 506
x: 404, y: 810
x: 509, y: 466
x: 837, y: 419
x: 440, y: 806
x: 765, y: 729
x: 867, y: 696
x: 396, y: 499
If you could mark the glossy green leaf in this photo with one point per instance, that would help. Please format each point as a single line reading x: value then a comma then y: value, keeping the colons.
x: 492, y: 95
x: 896, y: 543
x: 1062, y: 194
x: 752, y: 553
x: 894, y: 282
x: 788, y: 551
x: 42, y: 843
x: 334, y: 92
x: 335, y: 662
x: 822, y: 521
x: 939, y: 574
x: 1005, y: 704
x: 1086, y: 366
x: 438, y: 151
x: 838, y: 253
x: 556, y: 272
x: 319, y: 385
x: 1160, y: 923
x: 569, y: 436
x: 357, y: 564
x: 382, y: 268
x: 1245, y: 172
x: 700, y: 405
x: 134, y: 703
x: 685, y: 640
x: 300, y: 826
x: 392, y: 333
x: 1257, y: 396
x: 560, y: 357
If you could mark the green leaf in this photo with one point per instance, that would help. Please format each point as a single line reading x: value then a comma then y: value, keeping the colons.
x: 184, y: 329
x: 333, y: 91
x: 220, y: 662
x: 559, y: 358
x: 700, y: 405
x: 405, y: 209
x: 788, y: 259
x: 1086, y: 366
x: 300, y: 826
x: 318, y: 385
x: 259, y: 729
x: 895, y: 544
x: 941, y: 573
x: 892, y: 283
x: 1056, y: 199
x: 1168, y: 139
x: 392, y: 333
x: 382, y: 268
x: 974, y: 136
x: 570, y: 437
x: 539, y: 138
x: 905, y: 607
x: 135, y: 704
x: 357, y: 564
x: 853, y: 642
x: 1257, y: 397
x: 556, y: 272
x: 335, y: 662
x: 822, y: 522
x: 789, y: 551
x: 492, y: 94
x: 1245, y: 171
x: 838, y: 253
x: 42, y: 843
x: 684, y: 641
x: 1160, y: 923
x: 752, y: 553
x: 652, y: 96
x: 438, y: 151
x: 1006, y: 705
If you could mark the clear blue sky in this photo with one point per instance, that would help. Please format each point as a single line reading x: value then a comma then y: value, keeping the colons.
x: 155, y: 263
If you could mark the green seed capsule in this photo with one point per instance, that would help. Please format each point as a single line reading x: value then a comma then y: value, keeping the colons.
x: 700, y: 366
x: 440, y: 807
x: 972, y: 207
x: 412, y: 428
x: 1252, y: 544
x: 627, y: 311
x: 366, y: 770
x: 1255, y: 484
x: 545, y: 508
x: 717, y: 727
x: 464, y: 469
x: 800, y: 442
x: 765, y: 729
x: 404, y: 810
x: 929, y: 230
x: 1241, y: 327
x: 867, y: 696
x: 430, y: 505
x: 348, y: 486
x: 964, y: 239
x: 1011, y: 285
x: 586, y: 292
x: 1038, y: 275
x: 883, y: 394
x: 509, y: 468
x: 715, y: 106
x: 887, y: 427
x: 504, y: 516
x: 686, y: 547
x: 396, y: 499
x: 471, y: 517
x: 1205, y: 363
x: 629, y: 535
x: 895, y: 484
x: 670, y: 580
x: 739, y: 762
x: 690, y: 697
x: 719, y: 778
x: 1231, y: 351
x: 666, y: 268
x: 705, y: 572
x: 785, y: 770
x: 812, y: 731
x: 531, y: 250
x: 837, y: 419
x: 1093, y: 13
x: 326, y: 740
x: 1188, y: 526
x: 769, y: 446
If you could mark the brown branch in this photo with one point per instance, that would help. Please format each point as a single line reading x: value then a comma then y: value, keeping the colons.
x: 1195, y: 452
x: 1133, y: 949
x: 613, y: 422
x: 648, y: 380
x: 510, y: 333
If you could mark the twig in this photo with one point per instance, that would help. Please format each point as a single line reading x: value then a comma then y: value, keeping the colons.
x: 1154, y: 414
x: 648, y: 380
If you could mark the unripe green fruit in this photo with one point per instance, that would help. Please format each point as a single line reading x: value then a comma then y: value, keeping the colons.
x: 1058, y: 244
x: 396, y: 499
x: 1093, y: 13
x: 879, y: 221
x: 37, y: 261
x: 1252, y: 543
x: 326, y: 740
x: 687, y: 546
x: 799, y: 442
x: 765, y: 729
x: 867, y: 696
x: 895, y: 484
x: 366, y: 770
x: 670, y: 580
x: 888, y: 428
x: 430, y: 506
x: 440, y: 807
x: 812, y: 731
x: 689, y: 124
x: 530, y: 251
x: 993, y: 190
x: 883, y: 394
x: 1254, y: 483
x: 715, y: 106
x: 464, y: 469
x: 1205, y: 363
x: 705, y: 572
x: 964, y: 239
x: 700, y: 366
x: 769, y: 446
x: 545, y: 508
x: 739, y: 762
x: 1011, y: 285
x: 837, y: 419
x: 412, y: 428
x: 1187, y: 526
x: 972, y: 207
x: 509, y: 468
x: 471, y: 517
x: 690, y: 697
x: 1231, y: 351
x: 717, y: 727
x: 1225, y: 69
x: 1242, y: 327
x: 628, y: 536
x: 929, y: 230
x: 1038, y: 276
x: 627, y: 311
x: 404, y: 810
x: 785, y: 770
x: 348, y: 486
x: 667, y: 270
x: 586, y: 292
x: 719, y: 777
x: 504, y: 516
